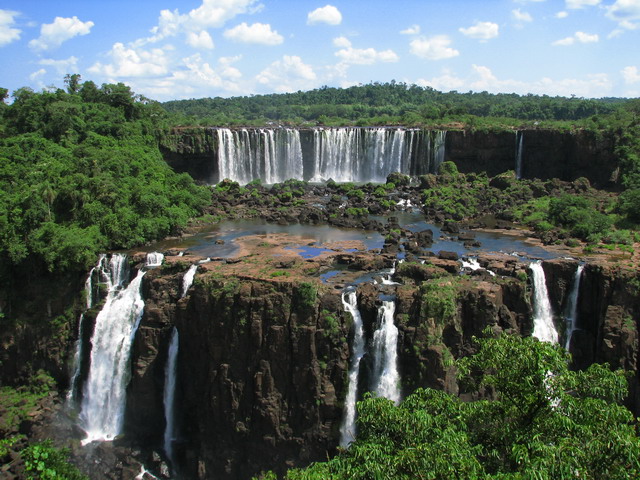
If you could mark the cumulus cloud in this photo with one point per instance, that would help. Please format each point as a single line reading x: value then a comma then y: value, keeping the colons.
x: 412, y: 30
x: 482, y: 31
x: 433, y: 48
x: 52, y: 35
x: 133, y: 62
x: 8, y: 33
x: 37, y: 74
x: 288, y: 75
x: 579, y: 37
x: 365, y: 56
x: 520, y: 16
x: 62, y: 66
x: 445, y: 82
x: 258, y: 33
x: 327, y: 14
x: 577, y: 4
x: 562, y: 14
x: 341, y: 42
x: 201, y: 41
x: 625, y: 12
x: 630, y: 75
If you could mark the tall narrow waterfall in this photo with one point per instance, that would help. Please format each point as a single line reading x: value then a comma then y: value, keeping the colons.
x: 519, y: 145
x: 272, y: 155
x: 79, y: 347
x: 386, y: 378
x: 187, y: 280
x: 439, y: 149
x: 116, y: 324
x: 170, y: 395
x: 571, y: 309
x: 154, y: 259
x: 543, y: 327
x: 348, y: 427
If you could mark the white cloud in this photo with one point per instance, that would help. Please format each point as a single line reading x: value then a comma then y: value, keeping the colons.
x: 580, y: 37
x: 576, y: 4
x: 482, y: 31
x: 630, y: 75
x: 521, y: 16
x: 433, y: 48
x: 288, y: 75
x: 132, y: 62
x: 625, y: 12
x: 62, y: 66
x: 341, y: 42
x: 37, y: 74
x: 445, y: 82
x: 200, y: 40
x: 227, y: 70
x: 562, y: 14
x: 412, y: 30
x: 327, y: 14
x: 52, y: 35
x: 259, y: 33
x: 211, y: 14
x: 365, y: 56
x: 8, y: 33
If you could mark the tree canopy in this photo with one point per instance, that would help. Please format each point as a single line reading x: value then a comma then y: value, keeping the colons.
x: 542, y: 421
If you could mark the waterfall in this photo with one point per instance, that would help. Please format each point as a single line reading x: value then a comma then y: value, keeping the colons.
x: 519, y: 143
x: 104, y: 393
x: 348, y: 427
x: 571, y: 310
x: 386, y: 378
x: 154, y: 259
x: 169, y: 395
x: 543, y: 327
x: 76, y: 364
x: 272, y: 155
x: 439, y: 149
x: 187, y: 280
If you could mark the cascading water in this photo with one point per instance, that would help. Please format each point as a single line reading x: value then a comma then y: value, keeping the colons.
x: 104, y: 392
x: 154, y: 259
x: 348, y: 427
x: 439, y: 149
x: 386, y: 378
x: 571, y: 310
x: 170, y: 375
x: 79, y: 347
x: 272, y: 155
x: 187, y: 280
x: 519, y: 145
x: 543, y: 326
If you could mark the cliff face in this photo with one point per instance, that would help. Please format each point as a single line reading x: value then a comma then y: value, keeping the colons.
x: 546, y: 154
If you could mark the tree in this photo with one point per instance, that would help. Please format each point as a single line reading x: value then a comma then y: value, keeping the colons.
x: 542, y: 421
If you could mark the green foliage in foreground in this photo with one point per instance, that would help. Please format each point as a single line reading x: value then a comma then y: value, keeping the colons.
x: 43, y: 461
x: 80, y: 172
x: 545, y: 422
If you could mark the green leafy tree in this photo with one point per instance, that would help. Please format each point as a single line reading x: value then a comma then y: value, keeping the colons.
x: 542, y: 422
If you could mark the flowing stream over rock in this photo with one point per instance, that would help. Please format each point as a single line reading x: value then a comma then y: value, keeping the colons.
x: 571, y: 309
x: 386, y: 378
x: 187, y: 280
x: 348, y: 427
x: 519, y: 146
x: 543, y: 326
x: 344, y: 154
x: 105, y: 389
x: 169, y: 395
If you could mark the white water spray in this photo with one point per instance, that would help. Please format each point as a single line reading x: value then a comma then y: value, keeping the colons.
x: 348, y: 427
x: 386, y: 378
x: 105, y: 391
x: 543, y: 326
x: 170, y: 375
x: 154, y: 259
x: 571, y: 310
x: 187, y: 280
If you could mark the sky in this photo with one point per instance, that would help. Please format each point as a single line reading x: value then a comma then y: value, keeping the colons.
x: 177, y: 49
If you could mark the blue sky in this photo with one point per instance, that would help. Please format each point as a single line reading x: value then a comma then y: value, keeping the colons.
x: 173, y: 49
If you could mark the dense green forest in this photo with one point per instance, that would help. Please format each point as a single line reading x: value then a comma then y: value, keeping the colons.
x: 81, y: 172
x: 384, y: 104
x: 545, y: 422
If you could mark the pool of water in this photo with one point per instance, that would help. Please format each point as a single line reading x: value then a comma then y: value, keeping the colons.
x: 219, y: 240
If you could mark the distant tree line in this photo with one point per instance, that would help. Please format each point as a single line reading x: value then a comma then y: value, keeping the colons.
x: 384, y: 103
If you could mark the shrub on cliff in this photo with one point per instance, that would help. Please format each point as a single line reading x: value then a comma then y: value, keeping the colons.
x: 544, y: 422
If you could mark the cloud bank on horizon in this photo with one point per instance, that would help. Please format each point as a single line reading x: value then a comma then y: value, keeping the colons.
x: 208, y: 48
